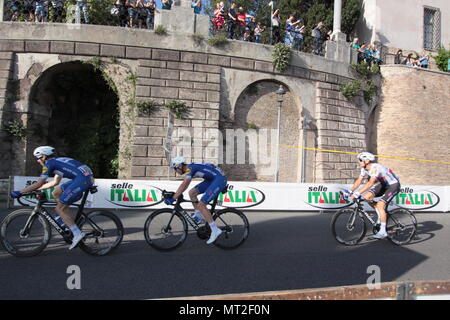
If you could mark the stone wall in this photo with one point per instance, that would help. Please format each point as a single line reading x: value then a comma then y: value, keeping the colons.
x: 207, y: 79
x: 6, y: 152
x: 342, y: 127
x: 413, y: 121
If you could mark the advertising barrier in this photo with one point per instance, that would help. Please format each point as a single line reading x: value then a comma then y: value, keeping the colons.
x: 143, y: 194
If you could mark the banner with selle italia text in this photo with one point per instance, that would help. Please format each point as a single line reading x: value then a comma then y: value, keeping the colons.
x: 142, y: 194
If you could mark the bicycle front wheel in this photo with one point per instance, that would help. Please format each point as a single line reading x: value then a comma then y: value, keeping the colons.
x: 401, y: 226
x: 104, y: 232
x: 348, y: 227
x: 24, y: 234
x: 165, y: 230
x: 235, y: 228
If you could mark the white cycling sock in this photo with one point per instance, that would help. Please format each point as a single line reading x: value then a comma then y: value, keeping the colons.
x: 383, y: 227
x: 213, y: 225
x: 75, y: 230
x: 378, y: 215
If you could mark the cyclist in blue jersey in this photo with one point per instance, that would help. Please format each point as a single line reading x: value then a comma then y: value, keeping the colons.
x: 382, y: 183
x: 214, y: 182
x: 81, y: 177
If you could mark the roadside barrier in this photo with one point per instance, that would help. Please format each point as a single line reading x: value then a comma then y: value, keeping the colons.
x: 143, y: 194
x: 415, y: 290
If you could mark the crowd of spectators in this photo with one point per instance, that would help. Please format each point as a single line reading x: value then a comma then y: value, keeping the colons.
x: 234, y: 21
x: 126, y: 13
x: 240, y: 25
x: 38, y: 10
x: 421, y: 61
x: 366, y: 52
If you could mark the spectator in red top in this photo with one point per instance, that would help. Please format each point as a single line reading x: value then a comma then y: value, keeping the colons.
x: 219, y: 16
x: 241, y: 23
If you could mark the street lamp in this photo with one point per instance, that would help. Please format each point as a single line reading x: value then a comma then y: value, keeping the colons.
x: 280, y: 92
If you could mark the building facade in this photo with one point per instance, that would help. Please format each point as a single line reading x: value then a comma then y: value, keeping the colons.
x: 413, y: 25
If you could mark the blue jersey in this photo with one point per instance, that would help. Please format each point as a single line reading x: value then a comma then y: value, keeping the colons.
x: 65, y: 167
x: 206, y: 171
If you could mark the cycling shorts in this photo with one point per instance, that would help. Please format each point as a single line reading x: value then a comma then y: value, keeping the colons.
x: 211, y: 189
x: 73, y: 190
x: 386, y: 192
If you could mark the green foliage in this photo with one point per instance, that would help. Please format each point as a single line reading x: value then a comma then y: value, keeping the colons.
x: 146, y: 108
x: 160, y: 30
x: 365, y: 72
x: 100, y: 12
x: 132, y: 78
x: 281, y: 56
x: 375, y: 69
x: 251, y: 125
x: 15, y: 128
x: 362, y: 69
x: 351, y: 89
x: 197, y: 37
x: 114, y: 166
x: 369, y: 91
x: 96, y: 62
x: 218, y: 40
x: 442, y: 59
x: 178, y: 108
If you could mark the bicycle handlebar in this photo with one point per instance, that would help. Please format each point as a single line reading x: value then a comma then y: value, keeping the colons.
x: 357, y: 200
x: 180, y: 199
x: 40, y: 196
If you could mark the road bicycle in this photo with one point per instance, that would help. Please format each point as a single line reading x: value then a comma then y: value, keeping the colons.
x: 167, y: 229
x: 348, y: 225
x: 26, y: 232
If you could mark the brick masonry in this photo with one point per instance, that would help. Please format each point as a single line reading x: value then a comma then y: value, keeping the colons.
x: 413, y: 122
x: 341, y: 126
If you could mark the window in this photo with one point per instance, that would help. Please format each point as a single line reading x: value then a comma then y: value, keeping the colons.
x: 431, y: 28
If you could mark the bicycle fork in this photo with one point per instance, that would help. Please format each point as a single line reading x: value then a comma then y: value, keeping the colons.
x: 25, y: 231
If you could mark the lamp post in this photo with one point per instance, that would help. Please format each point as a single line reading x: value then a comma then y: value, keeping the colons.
x: 280, y: 92
x: 271, y: 21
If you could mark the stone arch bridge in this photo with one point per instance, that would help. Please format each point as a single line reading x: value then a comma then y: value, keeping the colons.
x: 228, y: 88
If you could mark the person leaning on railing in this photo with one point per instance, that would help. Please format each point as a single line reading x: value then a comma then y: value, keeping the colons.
x: 167, y: 4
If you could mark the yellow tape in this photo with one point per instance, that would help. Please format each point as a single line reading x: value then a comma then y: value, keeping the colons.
x: 356, y: 153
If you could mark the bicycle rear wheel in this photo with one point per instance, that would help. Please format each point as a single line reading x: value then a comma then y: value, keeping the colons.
x: 348, y: 227
x: 401, y: 226
x: 104, y: 232
x: 23, y: 234
x: 165, y: 230
x: 235, y: 228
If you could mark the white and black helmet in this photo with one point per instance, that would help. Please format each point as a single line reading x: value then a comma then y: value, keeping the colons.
x: 43, y: 151
x: 366, y: 156
x: 175, y: 162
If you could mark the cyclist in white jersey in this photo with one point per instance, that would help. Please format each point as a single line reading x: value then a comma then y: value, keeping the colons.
x: 382, y: 183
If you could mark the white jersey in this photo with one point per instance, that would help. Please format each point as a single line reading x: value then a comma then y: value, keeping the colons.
x: 384, y: 175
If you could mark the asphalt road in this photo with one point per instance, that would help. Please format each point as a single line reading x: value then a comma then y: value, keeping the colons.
x: 284, y: 251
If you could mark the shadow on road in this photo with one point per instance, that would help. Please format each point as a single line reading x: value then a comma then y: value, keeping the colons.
x: 295, y: 251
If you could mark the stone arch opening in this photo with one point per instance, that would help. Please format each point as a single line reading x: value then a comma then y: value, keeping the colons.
x: 250, y: 135
x: 74, y: 109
